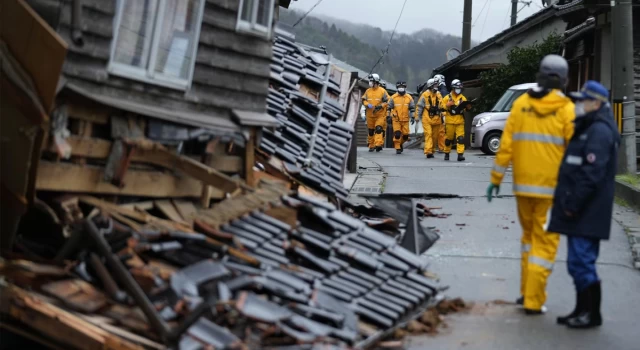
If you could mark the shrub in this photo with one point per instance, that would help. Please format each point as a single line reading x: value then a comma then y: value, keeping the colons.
x: 522, y: 68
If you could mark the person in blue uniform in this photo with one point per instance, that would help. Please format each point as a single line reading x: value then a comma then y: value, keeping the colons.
x: 583, y: 199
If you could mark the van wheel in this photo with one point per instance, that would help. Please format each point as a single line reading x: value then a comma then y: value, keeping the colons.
x: 491, y: 143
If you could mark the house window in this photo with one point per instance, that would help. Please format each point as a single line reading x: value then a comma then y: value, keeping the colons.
x: 256, y: 16
x: 155, y: 41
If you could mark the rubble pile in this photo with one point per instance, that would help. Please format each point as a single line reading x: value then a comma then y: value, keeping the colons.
x: 304, y: 100
x: 319, y: 276
x: 121, y: 256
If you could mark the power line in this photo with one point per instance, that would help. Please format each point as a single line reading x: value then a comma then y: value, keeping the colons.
x: 485, y: 21
x: 308, y: 12
x: 479, y: 14
x: 386, y: 50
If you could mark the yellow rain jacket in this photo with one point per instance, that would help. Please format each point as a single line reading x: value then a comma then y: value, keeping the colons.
x: 534, y: 139
x: 401, y: 107
x: 451, y: 119
x: 427, y: 100
x: 376, y: 96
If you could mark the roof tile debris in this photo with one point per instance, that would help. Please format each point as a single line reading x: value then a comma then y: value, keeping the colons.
x: 293, y: 100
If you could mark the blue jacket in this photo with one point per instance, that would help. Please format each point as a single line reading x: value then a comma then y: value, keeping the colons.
x: 587, y: 177
x: 443, y: 90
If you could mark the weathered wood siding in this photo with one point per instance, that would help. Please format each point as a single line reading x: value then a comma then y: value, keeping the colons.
x: 231, y: 69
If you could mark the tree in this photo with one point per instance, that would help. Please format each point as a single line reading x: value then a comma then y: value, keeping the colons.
x: 522, y: 68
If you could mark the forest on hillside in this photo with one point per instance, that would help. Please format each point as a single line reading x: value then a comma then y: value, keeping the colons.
x: 412, y: 57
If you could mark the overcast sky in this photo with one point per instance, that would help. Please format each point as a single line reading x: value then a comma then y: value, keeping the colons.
x: 489, y: 16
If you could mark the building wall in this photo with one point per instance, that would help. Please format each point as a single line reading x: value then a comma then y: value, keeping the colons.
x: 231, y: 69
x: 498, y: 53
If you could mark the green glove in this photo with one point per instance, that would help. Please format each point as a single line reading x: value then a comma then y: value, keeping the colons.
x: 490, y: 191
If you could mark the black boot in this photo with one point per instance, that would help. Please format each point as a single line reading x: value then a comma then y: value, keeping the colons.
x: 398, y: 151
x: 460, y: 157
x: 580, y: 303
x: 446, y: 156
x: 371, y: 149
x: 520, y: 301
x: 401, y: 148
x: 379, y: 148
x: 590, y: 316
x: 429, y: 155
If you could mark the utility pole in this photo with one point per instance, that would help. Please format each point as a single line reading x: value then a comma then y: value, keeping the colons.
x: 514, y: 12
x: 466, y: 26
x: 623, y: 95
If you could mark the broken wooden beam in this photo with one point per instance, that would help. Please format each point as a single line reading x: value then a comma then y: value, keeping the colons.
x: 157, y: 154
x: 96, y: 148
x: 56, y: 323
x: 67, y: 177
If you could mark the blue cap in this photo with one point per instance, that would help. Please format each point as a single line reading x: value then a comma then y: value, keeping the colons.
x: 592, y: 90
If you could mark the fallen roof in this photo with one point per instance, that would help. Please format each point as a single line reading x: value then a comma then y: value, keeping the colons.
x: 540, y: 16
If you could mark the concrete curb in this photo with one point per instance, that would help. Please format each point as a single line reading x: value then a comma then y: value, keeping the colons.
x: 628, y: 193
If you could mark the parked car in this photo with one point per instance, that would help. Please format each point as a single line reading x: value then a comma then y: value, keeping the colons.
x: 486, y: 128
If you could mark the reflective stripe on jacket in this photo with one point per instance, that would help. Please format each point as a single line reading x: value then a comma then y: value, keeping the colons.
x: 427, y: 100
x: 402, y: 107
x: 534, y: 139
x: 451, y: 118
x: 377, y: 96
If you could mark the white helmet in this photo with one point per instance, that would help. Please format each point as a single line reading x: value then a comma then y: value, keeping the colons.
x: 439, y: 78
x: 374, y: 77
x: 456, y: 84
x: 430, y: 83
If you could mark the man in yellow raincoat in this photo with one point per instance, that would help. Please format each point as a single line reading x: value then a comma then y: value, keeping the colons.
x: 454, y: 106
x: 375, y: 100
x: 401, y: 107
x: 534, y: 140
x: 429, y: 110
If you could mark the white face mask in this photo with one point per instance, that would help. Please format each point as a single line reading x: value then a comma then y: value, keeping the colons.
x: 458, y: 91
x: 370, y: 84
x: 401, y: 90
x: 435, y: 89
x: 580, y: 108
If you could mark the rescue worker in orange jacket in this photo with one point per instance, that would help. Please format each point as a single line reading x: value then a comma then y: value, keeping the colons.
x: 454, y: 106
x: 534, y: 140
x: 401, y: 107
x: 375, y: 100
x: 429, y: 110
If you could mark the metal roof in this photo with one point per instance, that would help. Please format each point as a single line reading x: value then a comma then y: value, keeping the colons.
x: 547, y: 12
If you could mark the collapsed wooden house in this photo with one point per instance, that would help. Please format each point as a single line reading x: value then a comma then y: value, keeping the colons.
x: 185, y: 189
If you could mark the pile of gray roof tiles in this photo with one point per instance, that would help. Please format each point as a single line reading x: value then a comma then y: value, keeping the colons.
x: 316, y: 280
x: 291, y: 142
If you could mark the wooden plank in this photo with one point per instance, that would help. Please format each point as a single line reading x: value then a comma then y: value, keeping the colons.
x: 57, y: 323
x: 223, y: 78
x: 96, y: 148
x: 167, y: 208
x: 219, y: 17
x: 229, y: 99
x: 232, y: 40
x: 64, y: 177
x: 39, y: 49
x: 249, y: 158
x: 233, y: 61
x: 186, y: 209
x: 157, y: 154
x: 139, y: 206
x: 94, y: 23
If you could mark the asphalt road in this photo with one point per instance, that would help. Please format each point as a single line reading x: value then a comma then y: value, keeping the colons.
x: 478, y: 257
